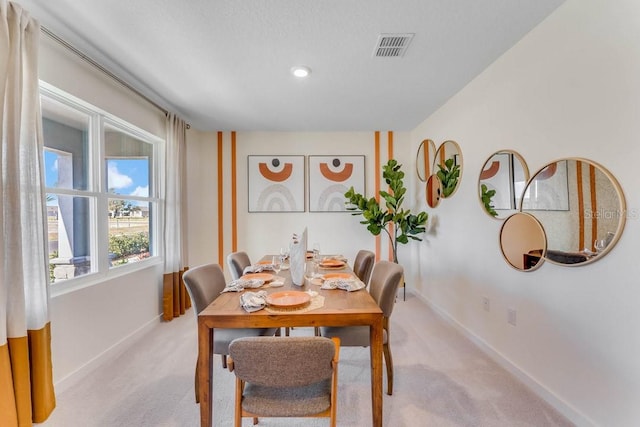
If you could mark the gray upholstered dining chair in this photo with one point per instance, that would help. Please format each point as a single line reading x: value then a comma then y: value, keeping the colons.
x: 204, y: 283
x: 237, y: 262
x: 285, y: 377
x: 363, y: 264
x: 383, y: 287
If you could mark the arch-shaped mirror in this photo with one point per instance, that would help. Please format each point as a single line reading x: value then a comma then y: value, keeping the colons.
x: 523, y: 242
x: 433, y: 191
x: 581, y: 206
x: 448, y: 166
x: 501, y: 183
x: 424, y: 159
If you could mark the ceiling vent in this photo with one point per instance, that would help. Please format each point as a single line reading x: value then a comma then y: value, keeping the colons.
x: 392, y: 45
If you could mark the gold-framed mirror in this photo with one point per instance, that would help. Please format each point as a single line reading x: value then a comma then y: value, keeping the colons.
x: 433, y: 192
x: 424, y: 159
x: 501, y: 183
x: 523, y: 242
x: 447, y: 165
x: 581, y: 207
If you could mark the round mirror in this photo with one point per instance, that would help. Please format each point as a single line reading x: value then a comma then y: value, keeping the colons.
x: 501, y: 184
x: 523, y: 242
x: 581, y: 207
x: 424, y: 159
x: 448, y: 166
x: 433, y: 192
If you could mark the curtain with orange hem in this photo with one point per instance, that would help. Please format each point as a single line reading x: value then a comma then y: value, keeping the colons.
x: 175, y: 300
x: 26, y: 375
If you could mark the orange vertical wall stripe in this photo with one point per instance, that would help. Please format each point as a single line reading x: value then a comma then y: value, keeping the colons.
x: 220, y: 205
x: 390, y: 153
x: 594, y: 206
x: 377, y: 183
x: 234, y: 195
x: 580, y: 204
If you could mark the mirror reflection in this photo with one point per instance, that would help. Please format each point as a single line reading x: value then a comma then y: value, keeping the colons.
x: 424, y: 159
x: 433, y: 192
x: 448, y: 166
x: 523, y: 242
x: 581, y: 207
x: 501, y: 184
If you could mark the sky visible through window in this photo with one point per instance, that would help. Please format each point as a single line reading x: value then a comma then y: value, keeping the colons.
x: 125, y: 176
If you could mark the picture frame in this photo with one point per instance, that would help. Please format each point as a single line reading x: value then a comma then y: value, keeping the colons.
x: 330, y: 177
x: 499, y: 177
x: 549, y: 189
x: 276, y: 183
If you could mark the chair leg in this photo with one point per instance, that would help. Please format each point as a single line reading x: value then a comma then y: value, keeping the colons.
x: 197, y: 387
x: 224, y: 361
x: 255, y: 421
x: 238, y: 403
x: 286, y: 331
x: 389, y: 364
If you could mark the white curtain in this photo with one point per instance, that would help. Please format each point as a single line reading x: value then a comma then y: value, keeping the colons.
x: 175, y: 297
x: 26, y: 385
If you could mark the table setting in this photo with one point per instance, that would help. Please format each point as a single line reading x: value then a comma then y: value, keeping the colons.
x: 311, y: 294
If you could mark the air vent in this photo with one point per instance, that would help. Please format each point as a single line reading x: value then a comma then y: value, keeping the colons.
x: 392, y: 45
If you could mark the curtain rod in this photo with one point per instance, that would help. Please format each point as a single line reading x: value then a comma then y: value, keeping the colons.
x: 101, y: 68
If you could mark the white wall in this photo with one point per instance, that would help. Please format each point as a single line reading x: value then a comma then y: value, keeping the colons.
x: 261, y: 233
x: 91, y: 324
x: 569, y: 88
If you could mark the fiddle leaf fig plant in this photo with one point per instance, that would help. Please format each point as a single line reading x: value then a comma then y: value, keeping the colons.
x: 406, y: 225
x: 486, y: 200
x: 449, y: 175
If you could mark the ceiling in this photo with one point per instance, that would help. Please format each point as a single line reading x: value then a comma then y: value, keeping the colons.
x: 225, y: 64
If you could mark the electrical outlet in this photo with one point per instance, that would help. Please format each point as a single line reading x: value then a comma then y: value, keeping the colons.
x: 486, y: 304
x: 512, y: 316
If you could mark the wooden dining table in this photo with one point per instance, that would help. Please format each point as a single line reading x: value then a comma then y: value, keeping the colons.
x: 341, y: 308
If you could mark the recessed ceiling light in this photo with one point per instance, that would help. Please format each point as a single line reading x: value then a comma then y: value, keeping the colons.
x: 300, y: 71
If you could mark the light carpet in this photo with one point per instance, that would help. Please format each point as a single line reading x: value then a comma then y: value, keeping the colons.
x: 441, y: 380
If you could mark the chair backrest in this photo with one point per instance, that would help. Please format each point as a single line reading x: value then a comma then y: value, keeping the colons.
x: 282, y: 361
x: 385, y: 279
x: 237, y: 262
x: 363, y: 264
x: 204, y: 283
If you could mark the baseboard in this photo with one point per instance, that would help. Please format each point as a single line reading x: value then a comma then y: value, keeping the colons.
x: 571, y: 413
x: 110, y: 354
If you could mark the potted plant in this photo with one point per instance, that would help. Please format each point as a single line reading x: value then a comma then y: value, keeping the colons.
x: 406, y: 225
x: 449, y: 175
x: 486, y: 197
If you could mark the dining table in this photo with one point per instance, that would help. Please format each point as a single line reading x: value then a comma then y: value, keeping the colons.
x: 339, y: 308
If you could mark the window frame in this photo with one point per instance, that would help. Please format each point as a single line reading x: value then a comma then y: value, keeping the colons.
x: 97, y: 193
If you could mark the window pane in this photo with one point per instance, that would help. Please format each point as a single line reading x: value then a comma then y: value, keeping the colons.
x: 128, y: 231
x: 128, y: 164
x: 66, y: 141
x: 68, y: 220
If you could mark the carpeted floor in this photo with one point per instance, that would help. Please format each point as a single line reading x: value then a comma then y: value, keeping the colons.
x: 441, y: 379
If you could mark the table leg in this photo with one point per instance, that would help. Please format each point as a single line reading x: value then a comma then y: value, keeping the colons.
x: 375, y: 336
x: 205, y: 345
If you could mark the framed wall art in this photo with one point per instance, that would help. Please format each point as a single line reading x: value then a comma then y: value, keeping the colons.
x: 330, y: 177
x: 548, y: 190
x: 276, y: 183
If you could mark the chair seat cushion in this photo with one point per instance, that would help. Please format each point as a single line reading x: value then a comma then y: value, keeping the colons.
x: 287, y: 402
x: 351, y: 336
x: 223, y: 337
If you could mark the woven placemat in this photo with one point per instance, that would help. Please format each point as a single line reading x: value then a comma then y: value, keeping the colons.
x: 316, y: 302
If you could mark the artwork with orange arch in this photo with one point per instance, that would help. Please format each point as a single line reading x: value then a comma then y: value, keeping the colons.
x: 330, y: 177
x: 276, y: 183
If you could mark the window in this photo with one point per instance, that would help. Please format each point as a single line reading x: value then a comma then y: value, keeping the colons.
x: 101, y: 183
